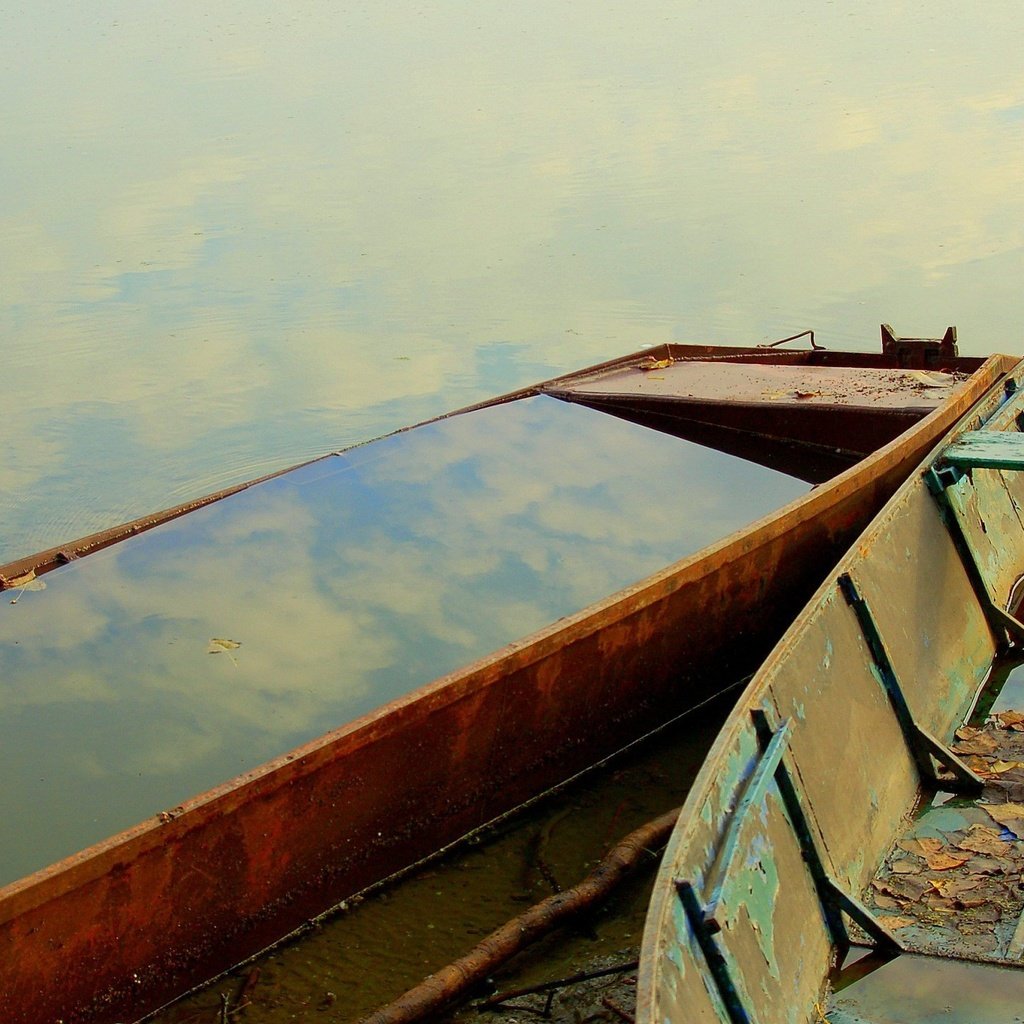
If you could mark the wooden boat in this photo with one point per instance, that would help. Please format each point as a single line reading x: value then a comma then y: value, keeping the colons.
x: 116, y: 930
x: 822, y: 817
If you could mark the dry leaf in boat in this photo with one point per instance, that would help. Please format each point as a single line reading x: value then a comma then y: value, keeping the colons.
x: 908, y: 888
x: 987, y: 914
x: 926, y: 379
x: 922, y: 847
x: 998, y: 767
x: 936, y: 904
x: 905, y: 867
x: 892, y: 921
x: 946, y: 861
x: 983, y: 865
x: 20, y: 581
x: 655, y: 364
x: 984, y: 840
x: 1011, y: 720
x: 1010, y: 816
x: 1004, y: 787
x: 888, y: 903
x: 977, y: 743
x: 954, y: 888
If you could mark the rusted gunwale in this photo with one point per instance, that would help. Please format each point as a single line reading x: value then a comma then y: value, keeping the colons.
x: 297, y: 834
x: 60, y: 554
x: 783, y: 935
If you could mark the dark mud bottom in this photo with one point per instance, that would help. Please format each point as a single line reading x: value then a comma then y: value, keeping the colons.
x: 373, y: 950
x: 606, y: 998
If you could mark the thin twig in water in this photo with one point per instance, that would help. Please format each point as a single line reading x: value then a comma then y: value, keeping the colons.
x: 550, y: 986
x: 243, y: 997
x: 454, y: 982
x: 541, y: 849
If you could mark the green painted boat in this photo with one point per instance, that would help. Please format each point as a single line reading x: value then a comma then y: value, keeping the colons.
x: 852, y: 850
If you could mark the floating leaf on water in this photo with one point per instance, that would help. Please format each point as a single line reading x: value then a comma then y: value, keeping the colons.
x: 221, y: 645
x: 26, y: 581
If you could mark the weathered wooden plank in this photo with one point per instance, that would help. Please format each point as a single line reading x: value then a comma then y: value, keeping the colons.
x: 987, y: 449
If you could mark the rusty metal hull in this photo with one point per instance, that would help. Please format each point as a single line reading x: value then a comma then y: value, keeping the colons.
x: 120, y: 928
x: 811, y: 416
x: 810, y: 788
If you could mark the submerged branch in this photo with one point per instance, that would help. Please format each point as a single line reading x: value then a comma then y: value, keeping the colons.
x: 457, y: 979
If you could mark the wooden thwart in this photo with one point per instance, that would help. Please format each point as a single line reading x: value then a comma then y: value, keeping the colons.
x: 986, y: 449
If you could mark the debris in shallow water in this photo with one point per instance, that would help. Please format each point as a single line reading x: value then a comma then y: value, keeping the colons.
x: 220, y: 645
x: 453, y: 982
x: 550, y: 986
x: 26, y: 581
x: 619, y: 1012
x: 1011, y: 720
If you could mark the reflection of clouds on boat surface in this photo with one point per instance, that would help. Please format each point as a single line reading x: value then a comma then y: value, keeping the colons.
x: 347, y: 583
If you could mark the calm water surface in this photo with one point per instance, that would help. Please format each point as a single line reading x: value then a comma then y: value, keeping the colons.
x: 173, y: 661
x: 235, y: 236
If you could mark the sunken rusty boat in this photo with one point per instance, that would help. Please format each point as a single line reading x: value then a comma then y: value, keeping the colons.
x: 852, y: 850
x: 167, y: 889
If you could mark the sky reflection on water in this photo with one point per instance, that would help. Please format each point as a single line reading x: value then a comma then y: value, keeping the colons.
x: 346, y: 583
x: 235, y: 237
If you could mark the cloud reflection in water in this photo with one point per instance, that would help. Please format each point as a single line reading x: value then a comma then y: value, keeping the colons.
x: 347, y: 583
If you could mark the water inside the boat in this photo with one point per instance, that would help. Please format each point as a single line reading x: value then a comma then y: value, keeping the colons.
x: 169, y: 663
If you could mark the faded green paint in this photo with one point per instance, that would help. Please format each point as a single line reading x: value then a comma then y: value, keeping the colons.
x: 987, y: 449
x: 823, y: 678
